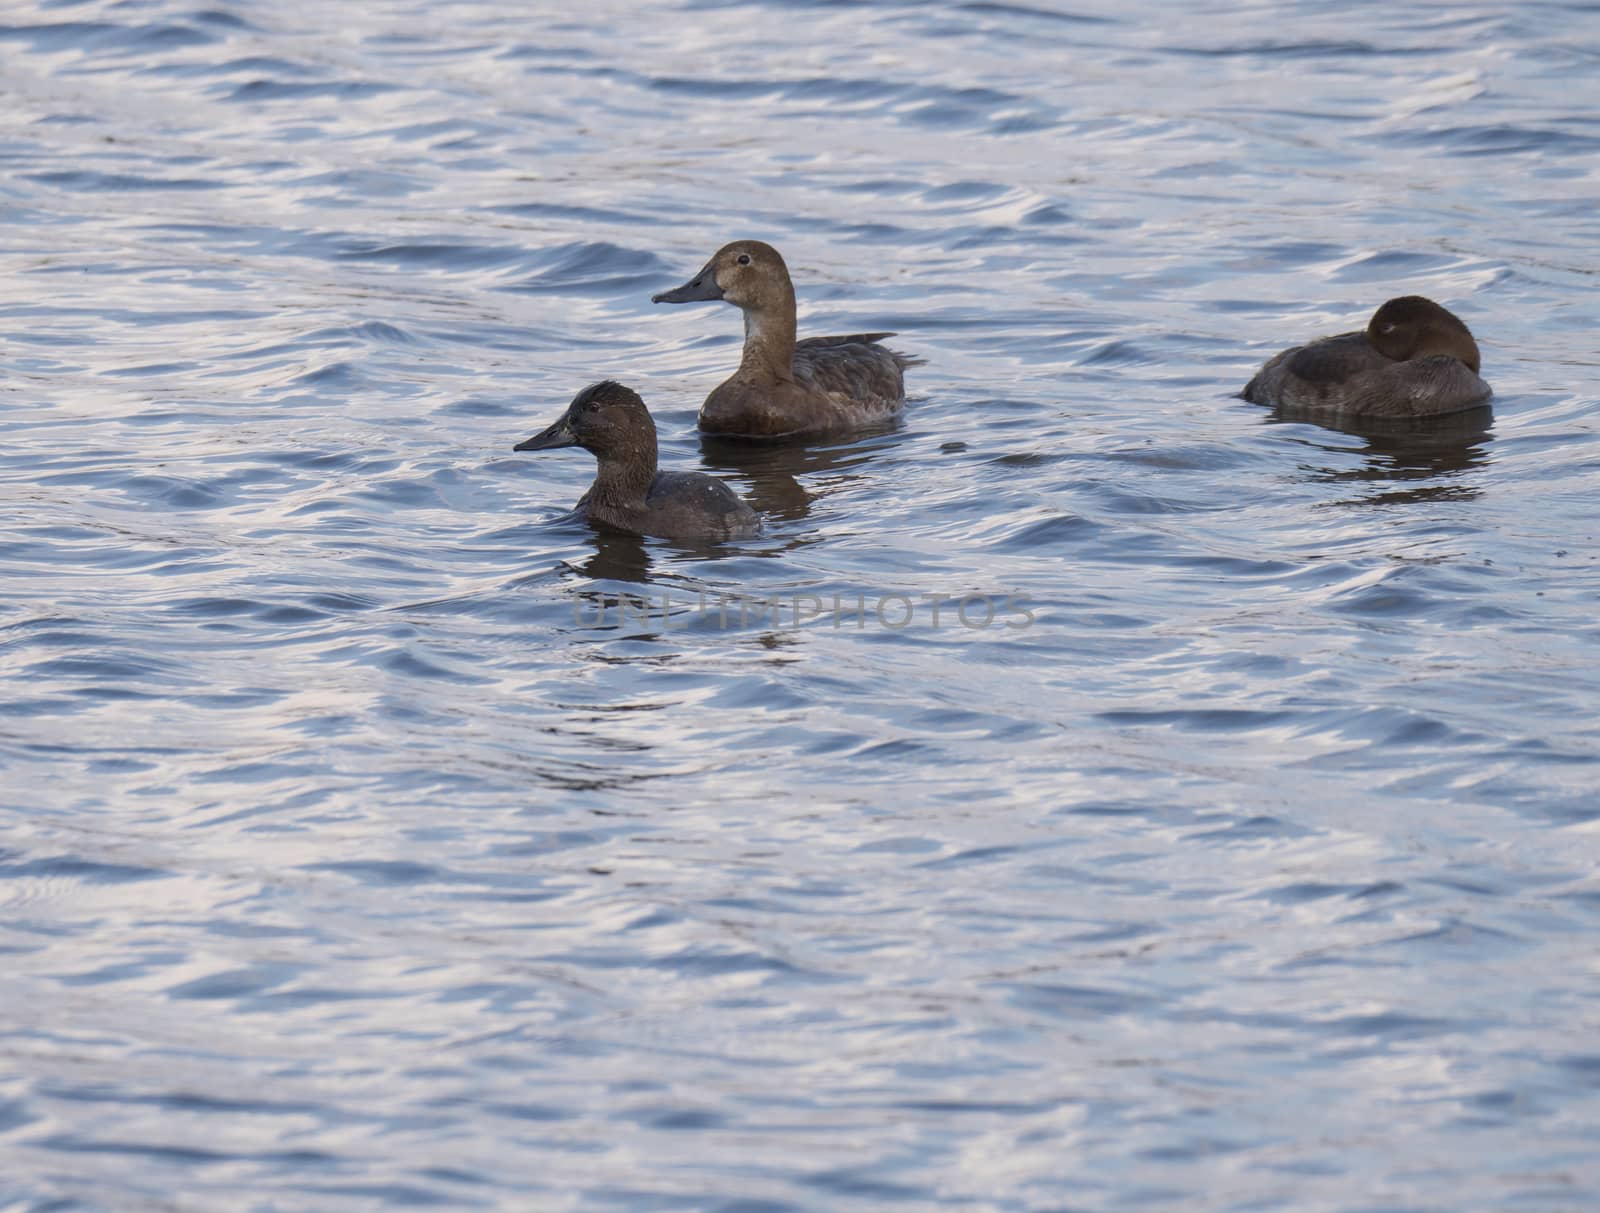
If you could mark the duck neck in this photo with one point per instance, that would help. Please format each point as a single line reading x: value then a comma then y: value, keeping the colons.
x: 625, y: 475
x: 769, y: 338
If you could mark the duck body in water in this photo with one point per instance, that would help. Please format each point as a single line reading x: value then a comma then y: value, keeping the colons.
x: 630, y: 493
x: 1414, y: 359
x: 784, y: 387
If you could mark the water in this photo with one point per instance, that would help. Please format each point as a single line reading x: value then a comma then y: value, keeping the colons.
x: 349, y: 863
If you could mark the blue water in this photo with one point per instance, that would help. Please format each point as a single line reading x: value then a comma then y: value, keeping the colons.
x: 376, y: 836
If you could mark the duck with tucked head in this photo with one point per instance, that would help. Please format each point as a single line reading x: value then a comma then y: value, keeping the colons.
x: 786, y: 388
x: 629, y: 493
x: 1414, y: 359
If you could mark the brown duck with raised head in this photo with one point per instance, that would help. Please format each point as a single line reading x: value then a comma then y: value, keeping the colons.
x: 1414, y: 359
x: 786, y: 388
x: 630, y: 493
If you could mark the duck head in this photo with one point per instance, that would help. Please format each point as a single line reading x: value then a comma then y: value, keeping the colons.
x: 606, y: 419
x: 746, y: 273
x: 1413, y: 327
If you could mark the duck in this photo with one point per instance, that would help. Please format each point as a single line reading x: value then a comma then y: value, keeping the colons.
x: 786, y: 388
x: 1415, y: 358
x: 630, y: 493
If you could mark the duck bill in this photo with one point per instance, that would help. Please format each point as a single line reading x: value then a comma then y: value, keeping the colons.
x: 702, y: 287
x: 558, y: 435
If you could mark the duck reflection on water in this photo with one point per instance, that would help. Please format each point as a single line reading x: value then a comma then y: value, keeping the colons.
x: 772, y: 472
x: 1406, y: 460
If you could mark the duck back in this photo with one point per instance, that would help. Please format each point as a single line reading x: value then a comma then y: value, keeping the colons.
x: 694, y: 504
x: 686, y: 506
x: 858, y: 374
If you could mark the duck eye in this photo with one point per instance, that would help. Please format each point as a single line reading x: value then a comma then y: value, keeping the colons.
x: 744, y: 258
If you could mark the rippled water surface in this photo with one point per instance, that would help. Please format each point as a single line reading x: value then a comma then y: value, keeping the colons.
x: 375, y: 835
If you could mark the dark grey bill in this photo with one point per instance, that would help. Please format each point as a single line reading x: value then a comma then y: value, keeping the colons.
x: 558, y: 435
x: 698, y: 289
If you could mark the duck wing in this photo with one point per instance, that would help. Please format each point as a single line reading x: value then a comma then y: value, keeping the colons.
x: 1337, y: 359
x: 851, y: 339
x: 864, y: 379
x: 1315, y: 370
x: 694, y: 504
x: 863, y: 339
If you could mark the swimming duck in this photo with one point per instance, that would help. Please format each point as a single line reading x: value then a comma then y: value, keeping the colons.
x: 629, y: 493
x: 1414, y: 359
x: 783, y: 387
